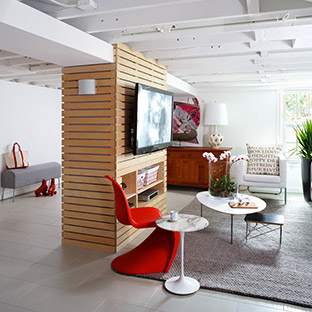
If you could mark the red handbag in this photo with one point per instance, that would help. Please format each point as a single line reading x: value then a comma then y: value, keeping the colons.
x: 17, y: 158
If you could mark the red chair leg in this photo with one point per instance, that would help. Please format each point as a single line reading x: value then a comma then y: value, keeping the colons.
x: 154, y: 255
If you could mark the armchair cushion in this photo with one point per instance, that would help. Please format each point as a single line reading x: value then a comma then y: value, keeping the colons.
x: 263, y: 160
x: 262, y: 178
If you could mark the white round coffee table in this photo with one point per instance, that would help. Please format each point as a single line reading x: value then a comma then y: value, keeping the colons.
x: 222, y: 205
x: 182, y: 284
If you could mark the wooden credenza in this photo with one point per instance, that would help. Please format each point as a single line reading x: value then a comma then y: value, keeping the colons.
x: 187, y: 166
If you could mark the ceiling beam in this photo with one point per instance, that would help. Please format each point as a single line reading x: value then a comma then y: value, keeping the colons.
x: 253, y: 6
x: 5, y: 55
x: 48, y: 39
x: 158, y: 16
x: 179, y: 86
x: 187, y: 42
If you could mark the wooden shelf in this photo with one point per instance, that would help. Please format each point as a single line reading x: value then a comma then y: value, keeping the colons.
x: 130, y: 195
x: 147, y: 187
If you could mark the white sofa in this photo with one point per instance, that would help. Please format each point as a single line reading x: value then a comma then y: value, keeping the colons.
x: 258, y: 180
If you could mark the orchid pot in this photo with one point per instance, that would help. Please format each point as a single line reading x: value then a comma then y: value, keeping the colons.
x: 221, y: 185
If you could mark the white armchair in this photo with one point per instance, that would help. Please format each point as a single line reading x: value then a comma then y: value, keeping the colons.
x: 258, y: 180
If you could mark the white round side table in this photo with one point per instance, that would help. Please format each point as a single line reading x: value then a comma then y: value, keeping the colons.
x: 182, y: 284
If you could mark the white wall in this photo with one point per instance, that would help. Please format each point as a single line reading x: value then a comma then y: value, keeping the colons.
x: 254, y: 119
x: 30, y: 115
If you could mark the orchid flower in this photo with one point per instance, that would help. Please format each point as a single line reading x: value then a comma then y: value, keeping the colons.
x: 210, y: 157
x: 225, y: 154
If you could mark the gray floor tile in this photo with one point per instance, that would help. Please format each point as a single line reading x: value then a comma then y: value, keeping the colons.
x: 12, y: 289
x: 111, y: 306
x: 10, y: 249
x: 164, y: 301
x: 48, y: 299
x: 11, y: 308
x: 123, y: 289
x: 11, y: 267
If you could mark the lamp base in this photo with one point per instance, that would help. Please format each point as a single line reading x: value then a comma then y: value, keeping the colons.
x: 215, y: 139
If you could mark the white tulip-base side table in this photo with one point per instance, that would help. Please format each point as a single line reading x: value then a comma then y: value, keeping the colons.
x: 182, y: 285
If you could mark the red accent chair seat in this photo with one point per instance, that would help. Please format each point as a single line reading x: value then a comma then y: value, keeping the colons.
x: 156, y: 253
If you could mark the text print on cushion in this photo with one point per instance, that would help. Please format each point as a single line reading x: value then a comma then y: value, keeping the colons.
x: 17, y: 158
x: 263, y: 159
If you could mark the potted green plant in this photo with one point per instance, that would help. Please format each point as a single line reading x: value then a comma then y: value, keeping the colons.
x: 304, y: 150
x: 223, y: 187
x: 220, y: 184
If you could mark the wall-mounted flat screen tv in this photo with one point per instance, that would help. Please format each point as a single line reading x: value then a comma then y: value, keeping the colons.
x: 152, y: 128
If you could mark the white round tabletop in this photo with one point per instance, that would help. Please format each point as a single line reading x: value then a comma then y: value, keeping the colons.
x: 222, y: 205
x: 185, y: 223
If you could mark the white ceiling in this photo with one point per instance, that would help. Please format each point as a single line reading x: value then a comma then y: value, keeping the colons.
x: 206, y: 43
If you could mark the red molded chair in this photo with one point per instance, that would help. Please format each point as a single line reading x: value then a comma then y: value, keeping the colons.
x: 156, y: 253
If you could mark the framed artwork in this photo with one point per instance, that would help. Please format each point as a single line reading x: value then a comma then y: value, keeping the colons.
x: 186, y: 124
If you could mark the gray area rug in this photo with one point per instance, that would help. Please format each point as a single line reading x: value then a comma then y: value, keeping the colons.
x: 260, y: 267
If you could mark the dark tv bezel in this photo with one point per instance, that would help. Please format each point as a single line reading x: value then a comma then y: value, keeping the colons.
x: 151, y: 148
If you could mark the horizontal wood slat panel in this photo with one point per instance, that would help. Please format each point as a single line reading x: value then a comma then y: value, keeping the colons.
x: 104, y: 143
x: 99, y: 83
x: 89, y: 209
x: 89, y: 105
x: 88, y: 150
x: 87, y: 172
x: 77, y: 243
x: 88, y: 135
x: 87, y: 180
x: 87, y: 158
x: 83, y: 230
x: 99, y: 75
x: 88, y: 194
x: 88, y: 216
x: 89, y: 238
x: 96, y: 142
x: 89, y: 98
x: 73, y: 113
x: 135, y: 78
x: 88, y: 187
x: 88, y: 201
x: 126, y: 90
x: 105, y: 167
x: 89, y: 128
x: 88, y: 68
x: 89, y: 224
x: 88, y: 120
x: 139, y: 58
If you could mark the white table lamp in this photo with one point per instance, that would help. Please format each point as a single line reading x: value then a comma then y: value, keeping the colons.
x: 215, y: 115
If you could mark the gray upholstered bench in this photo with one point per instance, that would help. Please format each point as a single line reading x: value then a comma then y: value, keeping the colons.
x: 14, y: 178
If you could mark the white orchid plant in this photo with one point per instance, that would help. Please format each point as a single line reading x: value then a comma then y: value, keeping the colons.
x: 233, y: 159
x: 224, y: 186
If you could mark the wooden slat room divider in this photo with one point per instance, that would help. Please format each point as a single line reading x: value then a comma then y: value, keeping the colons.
x: 96, y: 142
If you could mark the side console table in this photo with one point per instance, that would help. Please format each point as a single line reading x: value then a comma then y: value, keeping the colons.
x: 187, y: 166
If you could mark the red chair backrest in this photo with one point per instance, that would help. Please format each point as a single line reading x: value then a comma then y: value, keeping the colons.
x: 123, y: 213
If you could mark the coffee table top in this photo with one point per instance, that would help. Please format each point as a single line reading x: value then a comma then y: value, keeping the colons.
x: 222, y: 205
x: 185, y: 223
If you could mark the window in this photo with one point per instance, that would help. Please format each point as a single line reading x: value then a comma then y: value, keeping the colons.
x: 297, y: 107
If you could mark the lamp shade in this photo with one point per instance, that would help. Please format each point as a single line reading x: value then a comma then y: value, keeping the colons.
x: 216, y: 114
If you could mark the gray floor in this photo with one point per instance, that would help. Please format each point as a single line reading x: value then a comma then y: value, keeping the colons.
x: 38, y: 274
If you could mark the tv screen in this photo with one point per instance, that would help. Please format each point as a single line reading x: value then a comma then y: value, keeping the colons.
x: 153, y: 119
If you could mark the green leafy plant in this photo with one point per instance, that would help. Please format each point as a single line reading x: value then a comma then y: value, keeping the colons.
x: 223, y: 187
x: 304, y: 140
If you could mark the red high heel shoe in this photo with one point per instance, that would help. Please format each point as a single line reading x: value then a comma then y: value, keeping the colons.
x: 52, y: 190
x: 42, y: 189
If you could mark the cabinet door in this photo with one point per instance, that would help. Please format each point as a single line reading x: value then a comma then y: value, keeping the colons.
x: 182, y: 168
